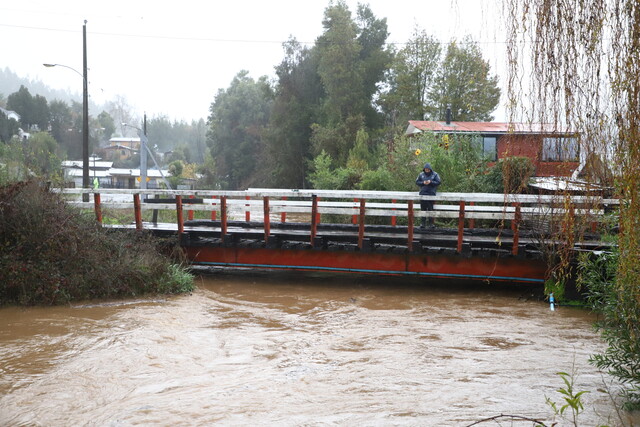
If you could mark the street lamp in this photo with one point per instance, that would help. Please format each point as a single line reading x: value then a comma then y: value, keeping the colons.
x: 143, y: 154
x: 85, y: 111
x: 144, y: 149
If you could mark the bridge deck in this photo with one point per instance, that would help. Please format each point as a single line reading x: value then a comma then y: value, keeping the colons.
x: 336, y: 231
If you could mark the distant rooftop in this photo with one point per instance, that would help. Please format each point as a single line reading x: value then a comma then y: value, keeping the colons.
x: 417, y: 126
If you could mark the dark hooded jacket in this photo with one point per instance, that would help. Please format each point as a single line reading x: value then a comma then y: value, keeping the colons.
x: 428, y: 189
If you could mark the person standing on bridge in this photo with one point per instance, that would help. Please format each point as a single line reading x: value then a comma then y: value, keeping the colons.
x: 428, y: 181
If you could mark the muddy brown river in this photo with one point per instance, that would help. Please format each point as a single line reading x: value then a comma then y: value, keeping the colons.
x: 292, y: 350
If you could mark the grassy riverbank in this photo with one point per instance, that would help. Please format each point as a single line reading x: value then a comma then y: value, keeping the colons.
x: 52, y: 253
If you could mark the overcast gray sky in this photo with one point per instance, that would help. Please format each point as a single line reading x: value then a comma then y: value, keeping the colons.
x: 171, y: 58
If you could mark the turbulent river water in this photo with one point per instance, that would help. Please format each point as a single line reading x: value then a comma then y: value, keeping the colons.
x: 288, y: 350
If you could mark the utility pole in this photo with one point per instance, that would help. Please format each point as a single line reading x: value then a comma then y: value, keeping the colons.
x: 85, y: 115
x: 143, y: 154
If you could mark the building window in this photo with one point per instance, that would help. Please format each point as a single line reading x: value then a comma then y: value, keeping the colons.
x: 488, y: 146
x: 489, y: 150
x: 559, y: 149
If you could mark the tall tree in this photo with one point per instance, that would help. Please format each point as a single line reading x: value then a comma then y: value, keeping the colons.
x: 60, y: 115
x: 239, y: 116
x: 296, y: 106
x: 351, y: 62
x: 410, y: 78
x: 106, y: 127
x: 40, y: 112
x: 464, y: 84
x: 376, y: 58
x: 160, y: 132
x: 8, y: 127
x: 23, y: 103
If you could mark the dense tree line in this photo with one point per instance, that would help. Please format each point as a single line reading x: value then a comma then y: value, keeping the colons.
x: 345, y: 97
x: 55, y: 130
x: 348, y: 94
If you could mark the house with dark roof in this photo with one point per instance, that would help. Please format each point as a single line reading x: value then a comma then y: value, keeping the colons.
x: 553, y: 153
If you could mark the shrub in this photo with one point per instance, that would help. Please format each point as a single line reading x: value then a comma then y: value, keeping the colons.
x: 619, y: 324
x: 509, y: 175
x: 51, y: 253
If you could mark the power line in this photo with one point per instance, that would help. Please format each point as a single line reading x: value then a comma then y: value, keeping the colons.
x: 209, y: 39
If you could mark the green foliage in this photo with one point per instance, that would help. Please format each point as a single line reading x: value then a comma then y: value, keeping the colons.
x: 405, y: 165
x: 463, y: 83
x: 176, y: 168
x: 239, y: 117
x: 8, y: 127
x: 51, y: 253
x: 509, y: 175
x: 176, y: 280
x: 351, y: 61
x: 297, y: 101
x: 572, y: 399
x: 33, y: 110
x: 38, y: 157
x: 458, y: 161
x: 555, y: 287
x: 410, y: 77
x: 323, y: 176
x: 207, y: 174
x: 619, y: 324
x: 360, y: 157
x: 379, y: 179
x: 103, y: 126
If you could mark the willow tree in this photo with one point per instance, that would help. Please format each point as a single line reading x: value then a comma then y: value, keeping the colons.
x: 584, y: 63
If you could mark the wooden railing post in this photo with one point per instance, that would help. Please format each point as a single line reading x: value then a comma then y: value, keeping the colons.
x: 472, y: 221
x: 361, y: 226
x: 137, y: 211
x: 393, y: 218
x: 410, y: 225
x: 283, y: 215
x: 97, y: 208
x: 314, y: 218
x: 317, y: 211
x: 460, y: 225
x: 190, y: 211
x: 354, y: 217
x: 223, y: 217
x: 213, y: 211
x: 247, y: 214
x: 154, y: 215
x: 267, y: 223
x: 179, y: 214
x: 515, y: 225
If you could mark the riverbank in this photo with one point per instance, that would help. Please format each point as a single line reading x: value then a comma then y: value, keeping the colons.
x: 51, y: 253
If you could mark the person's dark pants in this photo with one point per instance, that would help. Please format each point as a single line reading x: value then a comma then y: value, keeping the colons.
x: 427, y: 205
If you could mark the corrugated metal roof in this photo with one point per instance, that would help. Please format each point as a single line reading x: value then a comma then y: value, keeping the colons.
x: 77, y: 173
x: 92, y: 164
x: 416, y: 126
x: 123, y: 139
x: 151, y: 173
x: 559, y: 183
x: 119, y: 147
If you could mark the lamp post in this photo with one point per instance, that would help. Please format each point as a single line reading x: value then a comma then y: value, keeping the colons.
x: 144, y: 148
x: 85, y: 111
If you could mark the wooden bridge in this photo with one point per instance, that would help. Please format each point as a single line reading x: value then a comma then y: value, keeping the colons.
x: 488, y: 237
